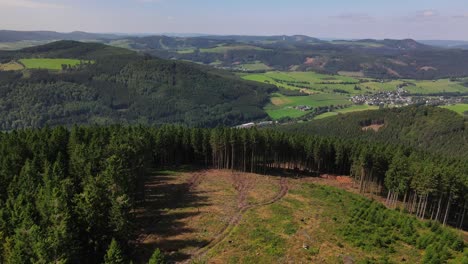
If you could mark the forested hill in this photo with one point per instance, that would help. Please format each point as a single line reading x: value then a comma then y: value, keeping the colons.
x: 114, y: 85
x: 11, y: 35
x: 428, y: 128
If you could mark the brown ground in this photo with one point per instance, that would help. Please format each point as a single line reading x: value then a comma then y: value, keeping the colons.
x: 200, y: 209
x: 376, y: 128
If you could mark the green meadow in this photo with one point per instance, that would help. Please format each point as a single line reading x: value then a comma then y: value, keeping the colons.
x: 257, y: 66
x: 50, y: 64
x: 354, y: 108
x: 459, y: 108
x: 323, y: 83
x: 283, y: 106
x: 223, y: 49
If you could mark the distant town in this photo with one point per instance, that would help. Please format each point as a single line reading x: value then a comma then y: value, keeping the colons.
x: 401, y: 97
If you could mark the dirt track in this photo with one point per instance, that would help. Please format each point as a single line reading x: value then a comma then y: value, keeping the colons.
x: 234, y: 221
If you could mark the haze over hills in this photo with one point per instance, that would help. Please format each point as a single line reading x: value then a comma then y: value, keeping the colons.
x: 13, y: 36
x: 169, y: 149
x: 371, y: 58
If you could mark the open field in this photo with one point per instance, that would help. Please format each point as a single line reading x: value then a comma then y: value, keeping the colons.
x: 282, y: 106
x: 11, y: 66
x: 459, y: 108
x: 50, y: 64
x: 352, y: 85
x: 354, y: 108
x: 223, y: 49
x: 186, y: 51
x: 257, y: 66
x: 357, y: 43
x: 220, y: 216
x: 200, y: 206
x: 21, y: 44
x: 438, y: 86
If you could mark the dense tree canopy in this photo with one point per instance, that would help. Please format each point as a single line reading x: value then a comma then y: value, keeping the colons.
x: 115, y: 85
x: 67, y: 195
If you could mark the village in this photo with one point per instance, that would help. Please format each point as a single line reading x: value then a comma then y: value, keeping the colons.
x: 401, y: 97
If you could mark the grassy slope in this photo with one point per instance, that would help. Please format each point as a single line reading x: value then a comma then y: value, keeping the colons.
x: 223, y: 49
x: 459, y: 108
x: 281, y: 105
x: 51, y: 64
x: 315, y: 82
x: 354, y: 108
x: 11, y: 66
x: 323, y: 218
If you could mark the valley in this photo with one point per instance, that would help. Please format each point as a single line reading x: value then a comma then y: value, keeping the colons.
x: 121, y: 148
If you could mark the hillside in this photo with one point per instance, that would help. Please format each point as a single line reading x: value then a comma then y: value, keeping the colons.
x: 241, y: 196
x: 427, y: 128
x: 391, y: 59
x: 385, y: 59
x: 112, y: 85
x: 14, y: 36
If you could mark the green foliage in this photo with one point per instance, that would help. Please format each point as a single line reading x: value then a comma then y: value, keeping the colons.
x: 157, y: 257
x: 114, y: 254
x: 65, y: 194
x: 427, y: 128
x: 122, y: 87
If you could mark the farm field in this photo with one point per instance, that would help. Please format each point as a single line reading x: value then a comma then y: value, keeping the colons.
x: 438, y: 86
x: 323, y: 83
x: 282, y: 106
x: 51, y: 64
x: 257, y: 66
x: 186, y: 51
x: 11, y: 66
x: 223, y: 49
x: 459, y: 108
x: 354, y: 108
x: 220, y: 216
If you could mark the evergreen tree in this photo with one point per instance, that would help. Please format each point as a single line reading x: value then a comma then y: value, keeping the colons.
x: 157, y: 257
x: 114, y: 254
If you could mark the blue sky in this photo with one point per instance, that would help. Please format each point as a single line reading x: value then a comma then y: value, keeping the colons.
x: 419, y: 19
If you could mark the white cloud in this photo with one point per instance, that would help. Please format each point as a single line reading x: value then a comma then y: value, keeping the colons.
x: 29, y: 4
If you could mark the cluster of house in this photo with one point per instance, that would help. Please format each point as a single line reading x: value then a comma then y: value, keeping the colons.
x: 303, y: 108
x: 400, y: 97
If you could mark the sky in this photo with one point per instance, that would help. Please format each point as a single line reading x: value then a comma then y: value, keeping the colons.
x: 350, y: 19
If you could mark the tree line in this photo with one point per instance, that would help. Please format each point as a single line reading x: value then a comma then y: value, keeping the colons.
x: 67, y: 195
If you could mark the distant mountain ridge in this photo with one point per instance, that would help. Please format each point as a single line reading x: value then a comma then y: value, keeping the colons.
x: 382, y: 59
x: 13, y: 36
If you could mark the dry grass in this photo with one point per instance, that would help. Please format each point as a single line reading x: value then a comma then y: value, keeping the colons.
x: 301, y: 227
x: 197, y: 207
x: 279, y: 101
x: 376, y: 128
x: 11, y: 66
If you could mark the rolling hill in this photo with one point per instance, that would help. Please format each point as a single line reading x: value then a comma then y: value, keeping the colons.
x: 430, y: 129
x: 388, y: 59
x: 13, y: 36
x: 385, y: 59
x: 114, y: 85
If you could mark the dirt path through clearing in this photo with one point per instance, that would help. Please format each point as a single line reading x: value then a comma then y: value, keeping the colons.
x: 235, y: 220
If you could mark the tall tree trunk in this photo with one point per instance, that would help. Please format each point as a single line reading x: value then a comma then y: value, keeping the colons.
x: 447, y: 209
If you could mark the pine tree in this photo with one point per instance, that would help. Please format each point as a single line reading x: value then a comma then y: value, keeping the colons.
x: 114, y: 254
x: 157, y: 257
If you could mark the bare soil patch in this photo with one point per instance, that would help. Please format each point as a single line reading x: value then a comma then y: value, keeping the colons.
x: 376, y: 127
